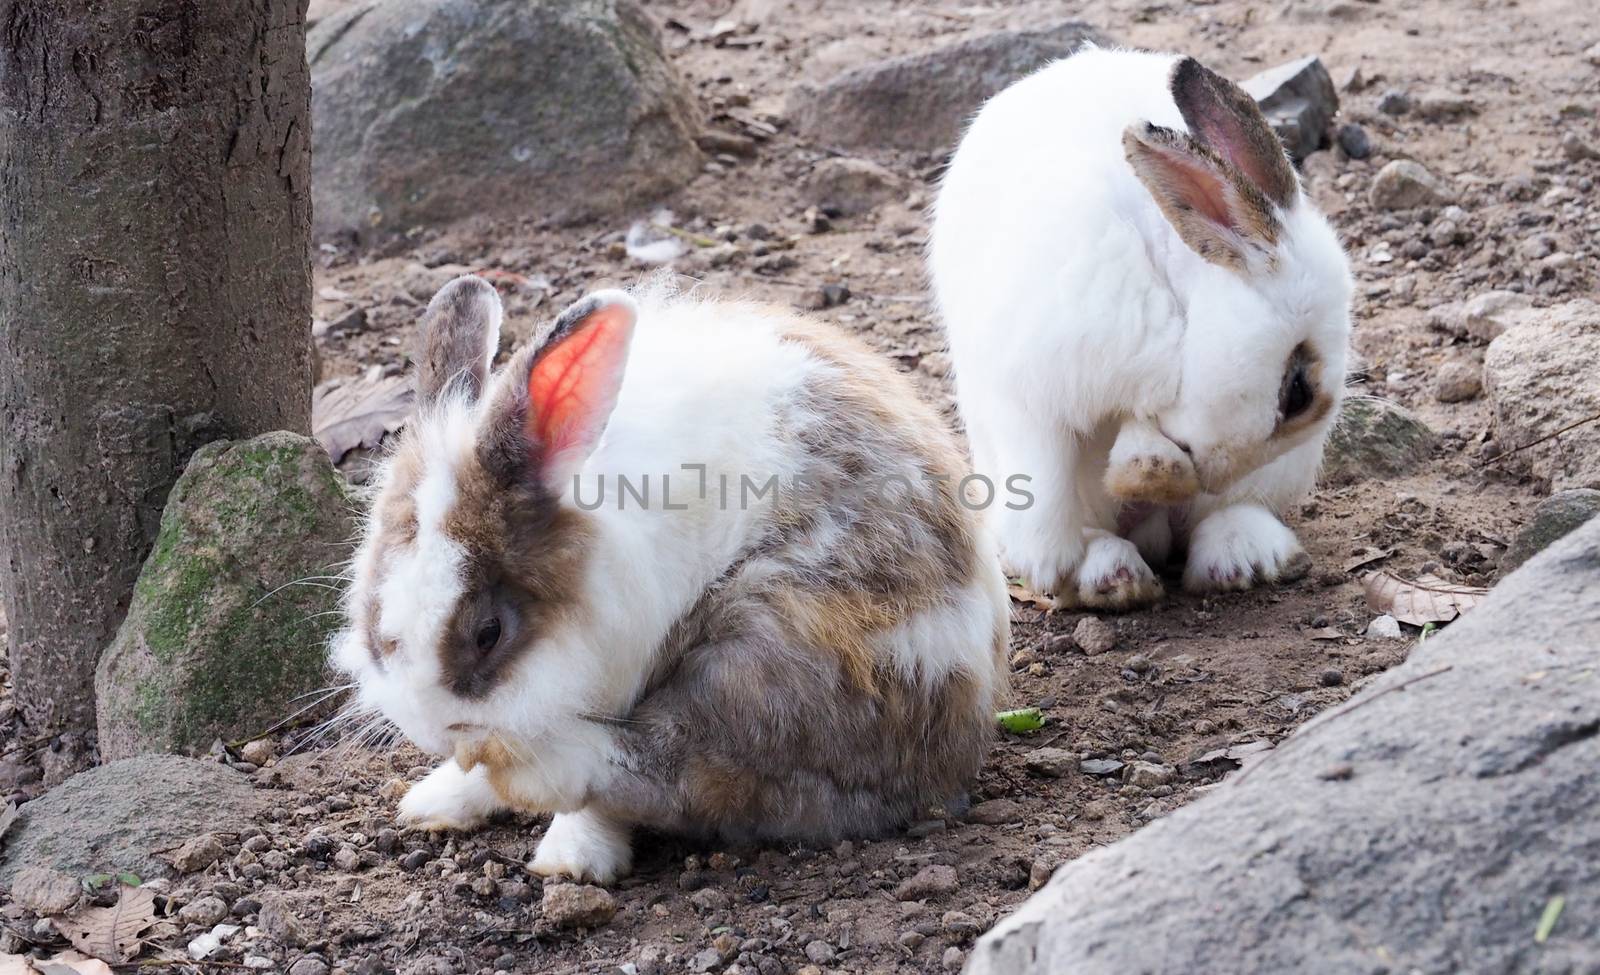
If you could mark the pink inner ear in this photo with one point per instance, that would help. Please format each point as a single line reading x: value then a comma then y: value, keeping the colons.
x: 1198, y: 186
x: 573, y: 386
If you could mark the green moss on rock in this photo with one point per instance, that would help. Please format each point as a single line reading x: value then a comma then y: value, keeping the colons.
x: 233, y: 607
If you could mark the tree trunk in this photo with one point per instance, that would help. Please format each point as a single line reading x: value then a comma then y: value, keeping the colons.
x: 155, y: 293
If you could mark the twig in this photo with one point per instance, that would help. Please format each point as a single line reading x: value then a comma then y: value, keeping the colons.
x: 692, y: 238
x: 1549, y: 436
x: 1360, y: 703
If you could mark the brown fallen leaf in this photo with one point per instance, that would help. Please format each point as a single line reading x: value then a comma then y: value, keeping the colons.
x: 351, y: 414
x: 1429, y: 599
x: 1027, y: 597
x: 111, y: 934
x: 1325, y: 633
x: 71, y: 963
x: 1367, y: 556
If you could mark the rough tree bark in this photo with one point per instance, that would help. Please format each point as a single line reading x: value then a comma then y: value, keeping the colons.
x: 155, y: 293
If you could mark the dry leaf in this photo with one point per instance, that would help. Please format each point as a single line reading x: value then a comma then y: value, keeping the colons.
x: 8, y: 816
x: 72, y: 963
x: 1430, y: 599
x: 1325, y: 633
x: 1367, y: 556
x: 1027, y: 597
x: 347, y: 414
x: 111, y: 934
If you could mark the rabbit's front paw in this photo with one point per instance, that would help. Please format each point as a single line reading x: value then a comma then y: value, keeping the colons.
x: 584, y: 846
x: 1112, y: 576
x: 1241, y: 546
x: 449, y: 799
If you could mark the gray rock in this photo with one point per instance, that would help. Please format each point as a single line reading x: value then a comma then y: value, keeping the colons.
x: 1404, y: 184
x: 1353, y: 139
x: 1555, y: 517
x: 1540, y: 380
x: 282, y: 918
x: 205, y: 912
x: 920, y: 102
x: 1576, y: 150
x: 428, y: 111
x: 849, y: 187
x: 578, y: 905
x: 1394, y: 102
x: 932, y: 881
x: 1094, y: 636
x: 1457, y: 382
x: 221, y: 638
x: 1052, y: 763
x: 1464, y: 806
x: 1299, y: 101
x: 46, y: 892
x: 1484, y: 317
x: 197, y: 854
x: 1444, y: 106
x: 1385, y: 627
x: 125, y: 815
x: 1375, y: 438
x: 995, y: 812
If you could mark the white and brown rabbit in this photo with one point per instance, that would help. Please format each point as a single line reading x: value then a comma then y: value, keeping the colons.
x: 693, y: 566
x: 1147, y: 318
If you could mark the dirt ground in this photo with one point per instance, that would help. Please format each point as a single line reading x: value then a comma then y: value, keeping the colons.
x: 1184, y: 683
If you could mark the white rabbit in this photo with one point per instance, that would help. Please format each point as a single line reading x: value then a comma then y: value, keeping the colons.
x: 700, y: 567
x: 1147, y: 318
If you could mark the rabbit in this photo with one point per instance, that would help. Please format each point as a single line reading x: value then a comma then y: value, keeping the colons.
x: 644, y: 576
x: 1147, y: 320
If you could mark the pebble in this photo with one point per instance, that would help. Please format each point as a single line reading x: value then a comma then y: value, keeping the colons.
x: 309, y: 965
x: 934, y: 880
x: 1576, y: 150
x: 1457, y: 382
x: 261, y: 751
x: 1052, y: 763
x: 960, y: 924
x: 953, y: 959
x: 1405, y: 184
x: 277, y: 918
x: 415, y: 860
x: 911, y: 939
x: 577, y: 905
x: 1354, y: 141
x: 1394, y: 102
x: 1148, y: 775
x: 205, y: 912
x: 1332, y: 677
x: 1384, y: 627
x: 45, y: 891
x: 1094, y: 636
x: 820, y: 953
x: 1444, y: 106
x: 1140, y: 664
x: 198, y: 853
x: 347, y: 859
x: 1039, y: 874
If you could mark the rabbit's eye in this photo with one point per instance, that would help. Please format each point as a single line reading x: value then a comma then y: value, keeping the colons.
x: 488, y: 634
x: 1296, y: 397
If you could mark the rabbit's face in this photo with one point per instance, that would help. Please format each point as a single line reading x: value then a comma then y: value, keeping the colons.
x: 1267, y: 305
x: 469, y: 584
x: 1263, y: 356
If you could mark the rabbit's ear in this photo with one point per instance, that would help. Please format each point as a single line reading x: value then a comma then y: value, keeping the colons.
x: 1221, y: 215
x: 1223, y: 117
x: 548, y: 420
x: 460, y: 332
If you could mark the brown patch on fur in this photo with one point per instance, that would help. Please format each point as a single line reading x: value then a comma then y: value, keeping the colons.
x: 452, y: 347
x: 1211, y: 205
x: 1223, y: 117
x: 1161, y: 480
x: 843, y: 623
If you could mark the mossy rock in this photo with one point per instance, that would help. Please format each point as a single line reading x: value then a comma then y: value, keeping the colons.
x: 1375, y: 438
x: 233, y: 608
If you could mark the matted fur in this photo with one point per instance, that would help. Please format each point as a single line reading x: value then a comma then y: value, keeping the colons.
x: 823, y: 662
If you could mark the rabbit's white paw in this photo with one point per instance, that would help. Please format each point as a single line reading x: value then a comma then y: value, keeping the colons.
x: 1240, y: 546
x: 1112, y: 575
x: 449, y: 799
x: 585, y: 846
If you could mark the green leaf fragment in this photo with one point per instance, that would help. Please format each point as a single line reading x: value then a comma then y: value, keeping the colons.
x: 1547, y: 920
x: 1022, y: 721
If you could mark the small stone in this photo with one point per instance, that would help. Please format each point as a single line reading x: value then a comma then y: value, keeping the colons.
x: 347, y: 859
x: 319, y: 846
x: 1023, y: 659
x: 44, y: 891
x: 911, y: 939
x: 1039, y: 874
x: 1094, y: 636
x: 352, y: 321
x: 709, y: 899
x: 258, y: 752
x: 415, y: 860
x: 1373, y: 439
x: 995, y: 812
x: 1384, y: 627
x: 820, y: 953
x: 1576, y: 150
x: 1354, y: 141
x: 1331, y: 677
x: 578, y: 906
x: 205, y: 912
x: 1148, y: 775
x: 934, y: 880
x: 960, y: 924
x: 387, y: 840
x: 198, y: 853
x: 953, y: 958
x: 1052, y: 763
x: 1404, y: 184
x: 1140, y: 664
x: 1299, y: 101
x: 848, y: 187
x: 1444, y: 106
x: 309, y: 965
x: 1457, y: 382
x: 1394, y: 102
x: 1100, y: 767
x: 278, y: 919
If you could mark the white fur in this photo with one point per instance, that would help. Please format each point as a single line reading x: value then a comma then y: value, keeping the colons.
x: 705, y: 384
x: 450, y: 799
x: 1073, y: 307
